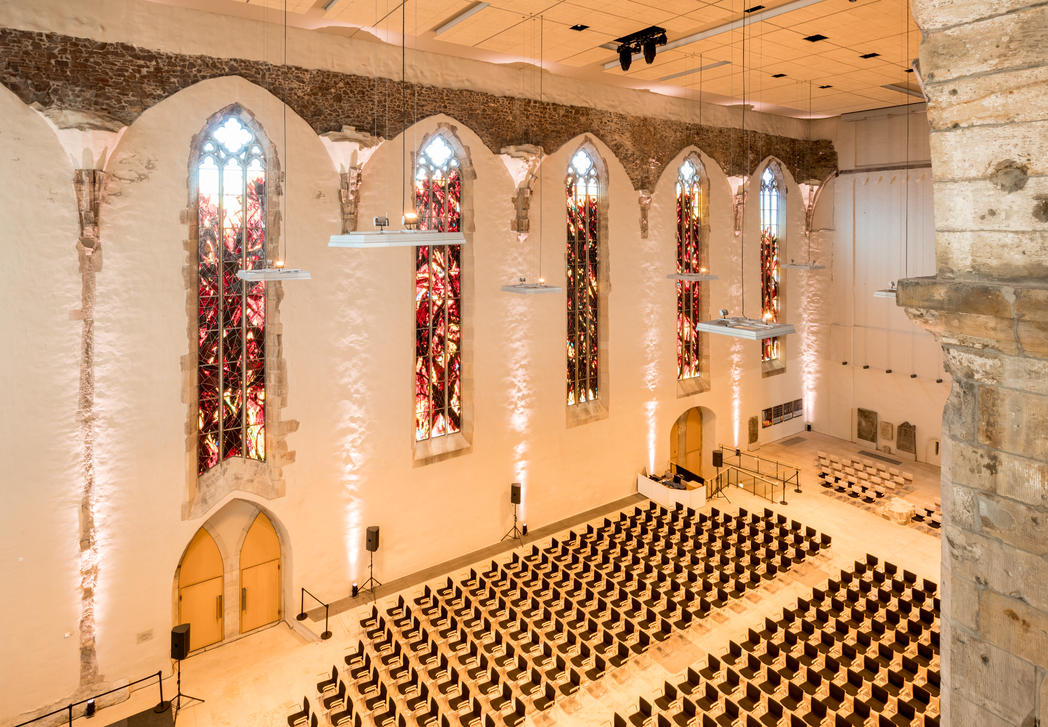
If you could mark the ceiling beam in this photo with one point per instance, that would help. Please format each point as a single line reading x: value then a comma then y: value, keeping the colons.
x: 726, y: 27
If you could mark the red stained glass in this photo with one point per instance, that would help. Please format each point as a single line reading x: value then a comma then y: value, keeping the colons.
x: 438, y: 295
x: 231, y: 314
x: 582, y: 189
x: 772, y: 211
x: 691, y: 191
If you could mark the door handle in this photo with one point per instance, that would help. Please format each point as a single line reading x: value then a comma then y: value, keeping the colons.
x: 218, y: 607
x: 243, y: 599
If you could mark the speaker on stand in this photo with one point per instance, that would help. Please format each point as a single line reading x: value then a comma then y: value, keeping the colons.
x: 718, y: 486
x: 179, y: 651
x: 371, y: 543
x: 515, y: 532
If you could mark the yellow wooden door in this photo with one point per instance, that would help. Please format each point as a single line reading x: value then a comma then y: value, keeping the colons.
x: 200, y: 584
x: 260, y: 601
x: 693, y: 442
x: 675, y: 443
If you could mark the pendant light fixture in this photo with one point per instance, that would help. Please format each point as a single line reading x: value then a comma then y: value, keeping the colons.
x: 278, y: 271
x: 703, y: 273
x: 409, y: 234
x: 810, y: 264
x: 890, y: 291
x: 750, y: 329
x: 522, y: 286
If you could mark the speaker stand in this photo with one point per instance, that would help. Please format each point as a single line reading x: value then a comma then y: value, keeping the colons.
x: 371, y: 583
x: 176, y: 700
x: 719, y: 491
x: 514, y: 532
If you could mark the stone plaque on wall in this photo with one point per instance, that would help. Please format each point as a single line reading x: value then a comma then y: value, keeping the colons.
x: 906, y: 438
x: 866, y: 425
x: 754, y: 433
x: 887, y: 430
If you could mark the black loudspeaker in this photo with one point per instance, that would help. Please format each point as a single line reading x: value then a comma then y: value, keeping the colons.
x: 180, y: 642
x: 514, y: 493
x: 371, y: 541
x: 718, y: 458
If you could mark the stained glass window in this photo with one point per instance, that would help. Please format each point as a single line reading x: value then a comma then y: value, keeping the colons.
x: 438, y: 294
x: 231, y: 313
x: 583, y: 295
x: 691, y: 211
x: 772, y: 211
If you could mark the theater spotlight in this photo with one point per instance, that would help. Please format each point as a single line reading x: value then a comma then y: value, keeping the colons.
x: 649, y: 50
x: 626, y: 56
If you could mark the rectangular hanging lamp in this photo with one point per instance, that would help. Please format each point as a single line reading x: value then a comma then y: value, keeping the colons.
x: 396, y: 238
x: 810, y: 265
x: 691, y: 276
x: 749, y: 329
x: 884, y: 293
x: 531, y: 288
x: 273, y: 275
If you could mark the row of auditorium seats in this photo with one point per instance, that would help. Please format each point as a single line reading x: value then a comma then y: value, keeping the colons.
x: 861, y: 652
x: 498, y: 644
x: 860, y: 478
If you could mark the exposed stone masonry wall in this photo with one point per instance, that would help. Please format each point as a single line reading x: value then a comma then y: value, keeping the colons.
x: 120, y: 81
x: 985, y: 70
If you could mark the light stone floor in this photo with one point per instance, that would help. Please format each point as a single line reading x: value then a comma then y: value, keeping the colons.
x: 257, y: 680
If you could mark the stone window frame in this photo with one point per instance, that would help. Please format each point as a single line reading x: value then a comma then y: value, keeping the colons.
x: 264, y: 479
x: 597, y: 409
x: 437, y: 449
x: 701, y: 383
x: 776, y: 366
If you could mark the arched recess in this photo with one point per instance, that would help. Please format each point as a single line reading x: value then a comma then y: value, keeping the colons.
x: 260, y: 592
x: 252, y: 551
x: 693, y: 437
x: 201, y: 584
x: 458, y: 440
x: 588, y: 379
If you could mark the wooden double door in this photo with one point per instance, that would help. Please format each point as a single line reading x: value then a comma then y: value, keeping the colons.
x: 202, y: 584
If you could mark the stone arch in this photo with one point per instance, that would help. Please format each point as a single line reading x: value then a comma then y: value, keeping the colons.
x: 228, y: 526
x: 693, y: 438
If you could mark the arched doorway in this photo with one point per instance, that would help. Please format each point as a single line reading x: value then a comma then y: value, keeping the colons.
x: 260, y: 601
x: 693, y: 436
x: 200, y: 585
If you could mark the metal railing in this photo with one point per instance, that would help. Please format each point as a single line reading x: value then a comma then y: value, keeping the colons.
x: 326, y: 633
x: 160, y: 707
x: 748, y: 465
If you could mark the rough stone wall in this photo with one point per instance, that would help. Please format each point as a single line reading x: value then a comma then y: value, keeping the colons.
x: 985, y: 70
x: 119, y: 81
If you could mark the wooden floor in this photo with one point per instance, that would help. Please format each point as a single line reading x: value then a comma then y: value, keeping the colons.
x: 258, y: 680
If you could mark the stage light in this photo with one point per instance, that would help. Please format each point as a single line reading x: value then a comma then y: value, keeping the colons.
x: 524, y: 529
x: 356, y: 591
x: 89, y: 710
x: 649, y: 50
x: 625, y: 56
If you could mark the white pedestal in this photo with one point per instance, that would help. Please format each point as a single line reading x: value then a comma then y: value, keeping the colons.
x: 669, y: 497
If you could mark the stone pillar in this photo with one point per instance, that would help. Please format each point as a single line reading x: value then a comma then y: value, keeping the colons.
x: 985, y: 73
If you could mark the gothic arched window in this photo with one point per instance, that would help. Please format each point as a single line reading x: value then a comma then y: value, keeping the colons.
x: 231, y: 313
x: 692, y: 195
x: 583, y: 295
x: 438, y: 294
x: 773, y: 211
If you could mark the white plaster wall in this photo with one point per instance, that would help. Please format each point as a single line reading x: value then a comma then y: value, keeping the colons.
x: 348, y: 346
x: 863, y: 219
x: 39, y: 442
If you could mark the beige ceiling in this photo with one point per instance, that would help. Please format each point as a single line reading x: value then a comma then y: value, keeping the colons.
x: 824, y: 78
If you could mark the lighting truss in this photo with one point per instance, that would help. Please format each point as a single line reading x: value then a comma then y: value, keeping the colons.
x: 749, y: 329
